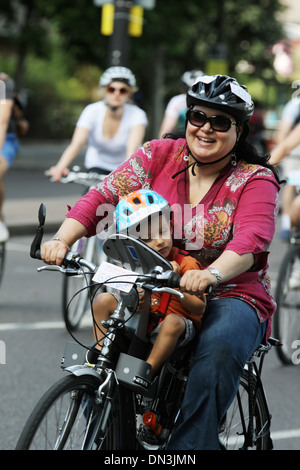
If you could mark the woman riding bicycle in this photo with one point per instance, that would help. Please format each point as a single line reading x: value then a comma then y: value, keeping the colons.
x: 9, y: 144
x: 227, y: 196
x: 113, y: 127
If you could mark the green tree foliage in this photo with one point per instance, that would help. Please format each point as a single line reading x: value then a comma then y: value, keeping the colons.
x: 177, y: 36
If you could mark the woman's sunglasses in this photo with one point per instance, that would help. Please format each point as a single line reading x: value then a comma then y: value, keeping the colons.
x: 122, y: 91
x: 218, y: 123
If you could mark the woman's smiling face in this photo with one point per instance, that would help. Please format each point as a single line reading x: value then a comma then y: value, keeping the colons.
x: 206, y: 144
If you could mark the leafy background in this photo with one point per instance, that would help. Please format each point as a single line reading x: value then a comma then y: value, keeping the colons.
x: 56, y: 53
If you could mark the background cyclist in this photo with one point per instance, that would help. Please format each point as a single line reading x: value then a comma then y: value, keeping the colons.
x: 112, y: 127
x: 9, y: 145
x: 286, y: 152
x: 174, y: 117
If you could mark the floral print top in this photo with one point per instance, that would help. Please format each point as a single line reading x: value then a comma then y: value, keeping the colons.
x: 238, y: 213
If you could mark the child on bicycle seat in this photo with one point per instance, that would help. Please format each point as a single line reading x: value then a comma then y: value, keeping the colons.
x: 148, y: 215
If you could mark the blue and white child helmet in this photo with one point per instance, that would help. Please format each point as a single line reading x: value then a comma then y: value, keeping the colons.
x: 137, y: 206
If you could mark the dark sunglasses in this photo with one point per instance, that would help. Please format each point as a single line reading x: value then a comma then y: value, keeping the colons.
x: 218, y: 123
x: 122, y: 91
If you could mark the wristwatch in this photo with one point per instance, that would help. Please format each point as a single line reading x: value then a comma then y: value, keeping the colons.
x: 216, y: 273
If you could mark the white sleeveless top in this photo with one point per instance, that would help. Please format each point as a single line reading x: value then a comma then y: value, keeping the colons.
x: 108, y: 154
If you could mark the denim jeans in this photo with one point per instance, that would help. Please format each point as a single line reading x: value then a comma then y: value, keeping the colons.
x: 230, y: 333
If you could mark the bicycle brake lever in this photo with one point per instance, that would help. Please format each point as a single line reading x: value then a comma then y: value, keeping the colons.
x: 169, y: 290
x: 51, y: 268
x: 67, y: 271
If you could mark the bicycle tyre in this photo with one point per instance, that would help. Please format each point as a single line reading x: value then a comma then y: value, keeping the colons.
x: 73, y: 312
x: 286, y: 321
x: 2, y: 259
x: 67, y: 418
x: 233, y: 432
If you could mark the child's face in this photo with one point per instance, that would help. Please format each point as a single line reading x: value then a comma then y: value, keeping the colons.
x: 156, y: 233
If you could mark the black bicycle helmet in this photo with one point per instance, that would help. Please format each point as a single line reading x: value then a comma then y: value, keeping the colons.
x: 223, y: 93
x: 117, y: 74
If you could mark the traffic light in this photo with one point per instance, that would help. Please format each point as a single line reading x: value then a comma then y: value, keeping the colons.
x: 107, y: 19
x: 135, y: 25
x: 136, y: 12
x: 135, y: 9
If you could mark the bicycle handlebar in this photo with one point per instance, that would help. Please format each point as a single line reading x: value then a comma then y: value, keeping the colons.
x: 73, y: 262
x: 80, y: 177
x: 166, y: 279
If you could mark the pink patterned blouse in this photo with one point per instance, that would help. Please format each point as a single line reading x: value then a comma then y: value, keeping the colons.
x: 238, y: 213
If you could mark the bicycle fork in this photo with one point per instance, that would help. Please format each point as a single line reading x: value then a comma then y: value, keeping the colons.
x: 97, y: 423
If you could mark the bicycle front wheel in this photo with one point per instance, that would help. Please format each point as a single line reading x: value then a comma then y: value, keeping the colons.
x: 287, y: 295
x: 68, y: 418
x: 233, y: 432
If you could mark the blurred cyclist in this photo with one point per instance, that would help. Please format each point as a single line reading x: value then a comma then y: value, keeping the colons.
x: 175, y: 113
x: 113, y: 128
x: 9, y: 145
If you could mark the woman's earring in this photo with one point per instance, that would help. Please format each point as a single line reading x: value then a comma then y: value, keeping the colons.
x: 233, y: 159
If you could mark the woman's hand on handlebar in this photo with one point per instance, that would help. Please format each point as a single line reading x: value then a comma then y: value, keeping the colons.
x: 54, y: 252
x: 56, y: 173
x: 196, y: 281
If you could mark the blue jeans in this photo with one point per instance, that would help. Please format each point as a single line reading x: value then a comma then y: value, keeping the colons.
x: 230, y: 333
x: 10, y: 148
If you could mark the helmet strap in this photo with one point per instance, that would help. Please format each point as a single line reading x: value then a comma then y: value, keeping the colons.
x: 196, y: 163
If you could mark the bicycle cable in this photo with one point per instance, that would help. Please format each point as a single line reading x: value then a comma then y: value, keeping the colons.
x: 111, y: 280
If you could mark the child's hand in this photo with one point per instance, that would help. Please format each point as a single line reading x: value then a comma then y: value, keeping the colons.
x: 176, y: 267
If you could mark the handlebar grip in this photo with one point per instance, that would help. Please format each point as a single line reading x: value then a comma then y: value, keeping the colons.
x: 36, y: 255
x: 174, y: 280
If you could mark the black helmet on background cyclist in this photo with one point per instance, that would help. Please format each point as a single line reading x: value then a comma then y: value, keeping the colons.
x: 117, y: 74
x: 223, y: 93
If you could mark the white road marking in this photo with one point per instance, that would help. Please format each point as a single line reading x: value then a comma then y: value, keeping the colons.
x: 288, y: 434
x: 48, y: 325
